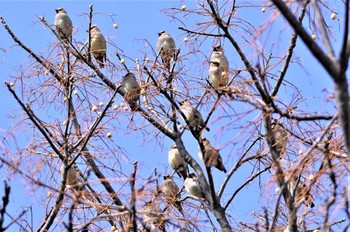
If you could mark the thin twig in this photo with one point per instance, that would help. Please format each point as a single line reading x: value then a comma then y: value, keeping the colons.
x: 323, y: 30
x: 133, y: 198
x: 237, y: 165
x: 291, y: 47
x: 244, y: 184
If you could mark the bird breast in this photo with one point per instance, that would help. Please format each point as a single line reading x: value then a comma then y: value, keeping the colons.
x: 215, y: 75
x: 170, y: 189
x: 193, y: 188
x: 175, y: 159
x: 98, y: 43
x: 219, y: 56
x: 188, y: 112
x: 64, y: 23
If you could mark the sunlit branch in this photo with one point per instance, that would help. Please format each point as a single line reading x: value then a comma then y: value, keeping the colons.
x: 36, y: 57
x: 36, y: 123
x: 329, y: 64
x: 279, y: 172
x: 237, y: 165
x: 244, y: 184
x: 5, y: 202
x: 323, y: 30
x: 89, y: 31
x: 289, y: 55
x: 345, y: 48
x: 314, y: 145
x: 133, y: 197
x: 200, y: 33
x: 275, y: 214
x: 250, y: 69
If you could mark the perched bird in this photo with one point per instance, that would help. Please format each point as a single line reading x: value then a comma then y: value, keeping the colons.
x: 166, y: 47
x: 98, y: 45
x: 215, y: 74
x: 170, y: 191
x: 218, y: 57
x: 297, y: 189
x: 281, y: 137
x: 211, y: 157
x: 192, y: 186
x: 193, y: 116
x: 177, y: 162
x: 73, y: 182
x: 154, y: 215
x: 130, y: 89
x: 63, y: 24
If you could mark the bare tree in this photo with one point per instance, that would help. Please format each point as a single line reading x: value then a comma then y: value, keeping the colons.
x: 294, y: 154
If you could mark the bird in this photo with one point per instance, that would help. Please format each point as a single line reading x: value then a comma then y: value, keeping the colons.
x: 74, y: 183
x: 281, y: 137
x: 211, y: 157
x: 63, y: 24
x: 177, y: 162
x: 98, y: 45
x: 166, y: 47
x: 154, y: 215
x: 297, y: 189
x: 170, y: 191
x: 192, y: 186
x: 218, y: 56
x: 72, y: 180
x: 193, y: 116
x: 130, y: 89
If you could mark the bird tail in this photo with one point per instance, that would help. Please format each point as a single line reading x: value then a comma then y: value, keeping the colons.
x: 184, y: 173
x: 100, y: 61
x: 178, y: 206
x: 222, y: 168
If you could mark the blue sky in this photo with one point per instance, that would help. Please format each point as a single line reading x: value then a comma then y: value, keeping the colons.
x: 140, y: 20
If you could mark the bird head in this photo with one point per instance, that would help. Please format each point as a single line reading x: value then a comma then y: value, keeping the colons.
x: 129, y: 75
x: 94, y: 28
x: 161, y: 32
x: 217, y: 47
x: 174, y: 146
x: 184, y: 102
x: 276, y: 123
x: 166, y: 177
x: 60, y: 10
x: 191, y: 174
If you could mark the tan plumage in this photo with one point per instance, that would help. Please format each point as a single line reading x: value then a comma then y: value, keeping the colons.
x: 177, y: 162
x: 130, y: 89
x: 211, y: 157
x: 298, y: 191
x: 170, y: 191
x: 63, y: 24
x: 166, y: 47
x: 72, y: 180
x: 98, y: 46
x: 193, y: 116
x: 281, y: 138
x: 74, y: 183
x: 154, y: 215
x: 218, y: 58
